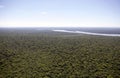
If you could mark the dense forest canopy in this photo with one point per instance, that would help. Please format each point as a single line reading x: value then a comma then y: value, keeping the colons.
x: 28, y: 53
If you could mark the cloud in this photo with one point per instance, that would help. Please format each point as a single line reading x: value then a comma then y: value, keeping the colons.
x: 43, y: 13
x: 2, y: 6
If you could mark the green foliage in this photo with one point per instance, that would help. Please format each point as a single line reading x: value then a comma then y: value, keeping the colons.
x: 46, y: 54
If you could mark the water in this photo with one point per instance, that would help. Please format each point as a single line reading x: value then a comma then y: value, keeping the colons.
x: 89, y: 33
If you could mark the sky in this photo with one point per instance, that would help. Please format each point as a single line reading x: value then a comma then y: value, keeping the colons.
x: 59, y: 13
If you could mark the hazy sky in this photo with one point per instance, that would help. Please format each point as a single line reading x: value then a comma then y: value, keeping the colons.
x: 85, y: 13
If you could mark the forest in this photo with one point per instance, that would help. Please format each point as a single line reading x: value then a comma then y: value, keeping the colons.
x: 28, y: 53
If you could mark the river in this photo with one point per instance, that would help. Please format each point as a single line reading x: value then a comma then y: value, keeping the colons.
x: 89, y: 33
